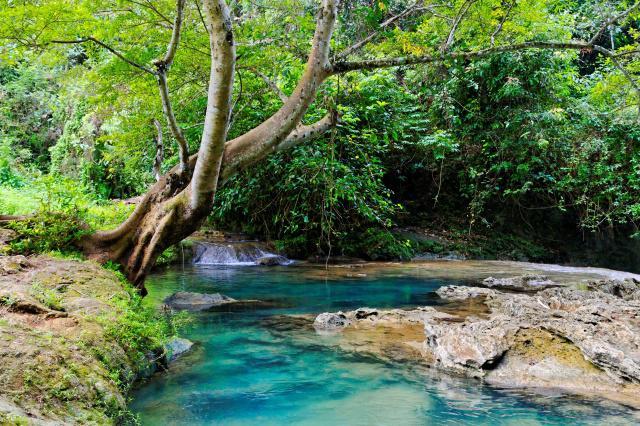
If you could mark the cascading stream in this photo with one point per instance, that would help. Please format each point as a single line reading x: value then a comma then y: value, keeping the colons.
x: 235, y: 253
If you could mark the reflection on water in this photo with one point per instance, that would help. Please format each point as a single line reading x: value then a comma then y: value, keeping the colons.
x: 253, y: 368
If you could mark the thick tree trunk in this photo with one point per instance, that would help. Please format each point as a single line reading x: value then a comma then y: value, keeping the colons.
x: 164, y: 217
x: 179, y: 202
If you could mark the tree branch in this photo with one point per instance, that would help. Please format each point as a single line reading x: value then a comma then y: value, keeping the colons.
x: 454, y: 27
x: 271, y: 84
x: 162, y: 68
x: 342, y: 67
x: 107, y: 47
x: 613, y: 20
x: 415, y: 8
x: 636, y: 86
x: 175, y: 34
x: 304, y: 133
x: 262, y: 140
x: 219, y: 98
x: 501, y: 24
x: 157, y: 162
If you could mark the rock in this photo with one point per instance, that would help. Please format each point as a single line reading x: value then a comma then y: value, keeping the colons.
x: 189, y: 301
x: 272, y: 260
x: 454, y: 292
x: 331, y: 321
x: 585, y: 342
x: 373, y: 317
x: 470, y: 347
x: 175, y: 348
x: 7, y: 235
x: 522, y: 283
x: 13, y: 264
x: 626, y: 289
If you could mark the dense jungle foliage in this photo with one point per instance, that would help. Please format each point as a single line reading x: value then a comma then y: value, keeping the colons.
x: 530, y: 148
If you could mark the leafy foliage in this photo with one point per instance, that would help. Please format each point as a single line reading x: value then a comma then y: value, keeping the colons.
x: 492, y: 144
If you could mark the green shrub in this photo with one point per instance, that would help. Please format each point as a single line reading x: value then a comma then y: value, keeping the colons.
x: 379, y: 244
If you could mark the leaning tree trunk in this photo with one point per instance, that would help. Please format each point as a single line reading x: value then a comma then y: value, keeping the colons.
x: 180, y: 201
x: 163, y: 217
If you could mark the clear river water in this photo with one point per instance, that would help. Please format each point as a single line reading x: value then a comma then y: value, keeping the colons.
x: 251, y: 368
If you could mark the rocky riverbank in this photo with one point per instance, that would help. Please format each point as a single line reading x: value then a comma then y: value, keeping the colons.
x: 73, y: 337
x: 582, y: 338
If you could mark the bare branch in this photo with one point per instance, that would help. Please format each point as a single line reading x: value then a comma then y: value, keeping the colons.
x: 613, y: 20
x: 623, y: 70
x: 304, y: 133
x: 175, y: 129
x: 415, y: 8
x: 501, y: 24
x: 454, y: 27
x: 175, y: 34
x: 271, y: 84
x: 107, y: 47
x: 162, y: 67
x: 149, y: 5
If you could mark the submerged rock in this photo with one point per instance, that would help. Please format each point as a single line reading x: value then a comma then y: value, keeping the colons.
x: 522, y: 283
x: 176, y: 347
x: 189, y: 301
x: 196, y: 302
x: 272, y: 260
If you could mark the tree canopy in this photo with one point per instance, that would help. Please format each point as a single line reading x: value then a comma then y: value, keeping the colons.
x: 468, y: 108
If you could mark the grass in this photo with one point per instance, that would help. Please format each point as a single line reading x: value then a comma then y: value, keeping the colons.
x: 52, y: 194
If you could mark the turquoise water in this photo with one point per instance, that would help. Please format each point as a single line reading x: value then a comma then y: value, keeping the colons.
x: 257, y: 368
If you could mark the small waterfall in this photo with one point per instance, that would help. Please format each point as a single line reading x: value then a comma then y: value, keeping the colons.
x: 235, y: 253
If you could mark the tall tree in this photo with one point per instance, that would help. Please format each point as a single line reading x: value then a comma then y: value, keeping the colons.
x: 178, y: 203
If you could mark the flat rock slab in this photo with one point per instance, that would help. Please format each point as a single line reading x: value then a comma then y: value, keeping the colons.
x: 528, y: 282
x: 200, y: 302
x: 188, y: 301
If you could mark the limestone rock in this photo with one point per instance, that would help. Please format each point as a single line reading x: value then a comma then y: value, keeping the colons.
x: 626, y: 289
x: 331, y: 321
x: 13, y: 264
x: 455, y: 292
x: 563, y: 338
x: 522, y: 283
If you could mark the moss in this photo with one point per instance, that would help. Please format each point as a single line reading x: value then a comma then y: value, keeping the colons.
x: 51, y: 298
x: 78, y: 369
x: 13, y: 420
x: 534, y: 345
